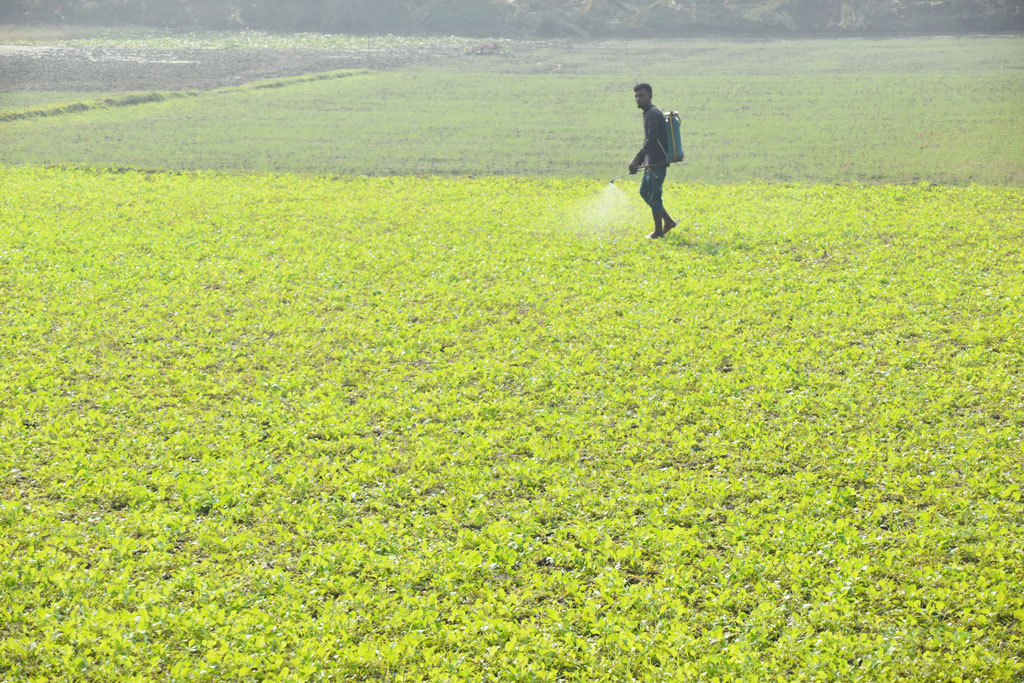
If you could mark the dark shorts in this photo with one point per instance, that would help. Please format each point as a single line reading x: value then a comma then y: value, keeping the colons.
x: 650, y: 188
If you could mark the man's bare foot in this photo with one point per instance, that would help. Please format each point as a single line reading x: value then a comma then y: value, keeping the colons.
x: 669, y: 224
x: 655, y: 235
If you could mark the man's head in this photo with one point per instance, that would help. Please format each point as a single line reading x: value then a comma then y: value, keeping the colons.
x: 642, y: 94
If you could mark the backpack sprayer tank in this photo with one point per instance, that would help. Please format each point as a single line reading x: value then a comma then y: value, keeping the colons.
x: 673, y: 141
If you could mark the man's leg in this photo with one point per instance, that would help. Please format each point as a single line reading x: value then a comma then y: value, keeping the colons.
x: 658, y: 232
x: 669, y: 223
x: 657, y: 206
x: 650, y: 190
x: 663, y: 222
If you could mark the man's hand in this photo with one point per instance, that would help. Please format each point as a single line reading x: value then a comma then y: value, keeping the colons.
x: 634, y: 165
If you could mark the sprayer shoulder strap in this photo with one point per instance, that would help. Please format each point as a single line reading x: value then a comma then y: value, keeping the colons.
x: 667, y: 162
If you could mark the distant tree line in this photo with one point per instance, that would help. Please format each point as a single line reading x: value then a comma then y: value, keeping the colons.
x: 536, y: 18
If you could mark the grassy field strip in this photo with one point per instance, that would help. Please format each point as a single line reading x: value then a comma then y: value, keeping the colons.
x: 750, y: 112
x: 132, y: 99
x: 35, y: 99
x: 432, y: 428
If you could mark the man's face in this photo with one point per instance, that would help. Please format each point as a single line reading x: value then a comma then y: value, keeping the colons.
x: 642, y: 97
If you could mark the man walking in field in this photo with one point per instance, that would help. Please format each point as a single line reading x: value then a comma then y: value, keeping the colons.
x: 653, y: 159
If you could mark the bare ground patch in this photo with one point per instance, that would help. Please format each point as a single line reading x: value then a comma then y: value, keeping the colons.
x: 114, y: 69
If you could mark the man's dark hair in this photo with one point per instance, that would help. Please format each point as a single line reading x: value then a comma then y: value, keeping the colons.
x: 643, y: 86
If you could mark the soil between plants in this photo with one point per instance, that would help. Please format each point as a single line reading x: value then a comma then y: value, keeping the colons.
x: 109, y: 69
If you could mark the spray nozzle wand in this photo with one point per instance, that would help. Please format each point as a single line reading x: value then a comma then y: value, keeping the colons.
x: 612, y: 181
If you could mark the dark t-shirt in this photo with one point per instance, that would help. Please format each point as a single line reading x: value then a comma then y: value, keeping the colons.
x: 654, y: 132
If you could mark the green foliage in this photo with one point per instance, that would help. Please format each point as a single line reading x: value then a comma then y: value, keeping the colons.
x: 305, y: 428
x: 902, y: 110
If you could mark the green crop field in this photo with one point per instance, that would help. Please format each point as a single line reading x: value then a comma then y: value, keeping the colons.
x: 439, y: 429
x: 899, y: 110
x: 442, y: 414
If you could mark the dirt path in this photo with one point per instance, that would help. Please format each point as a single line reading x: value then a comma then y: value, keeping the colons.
x: 109, y: 69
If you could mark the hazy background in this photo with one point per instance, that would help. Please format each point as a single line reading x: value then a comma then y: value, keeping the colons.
x: 537, y: 18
